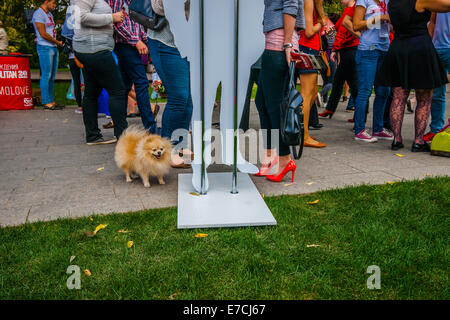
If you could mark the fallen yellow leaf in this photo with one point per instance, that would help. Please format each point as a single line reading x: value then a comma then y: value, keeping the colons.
x: 99, y: 227
x: 130, y: 244
x: 392, y: 182
x: 313, y: 245
x: 194, y: 194
x: 262, y: 195
x: 173, y: 296
x: 399, y: 155
x: 201, y: 235
x: 309, y: 183
x: 123, y: 231
x: 87, y: 272
x: 72, y: 258
x: 287, y: 184
x: 100, y: 169
x: 90, y: 218
x: 313, y: 202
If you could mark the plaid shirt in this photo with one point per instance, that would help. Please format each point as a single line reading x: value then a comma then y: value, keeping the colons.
x: 128, y: 31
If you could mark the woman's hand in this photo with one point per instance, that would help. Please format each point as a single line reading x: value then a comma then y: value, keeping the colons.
x: 118, y: 17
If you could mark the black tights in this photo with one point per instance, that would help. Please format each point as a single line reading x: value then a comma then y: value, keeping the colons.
x: 422, y: 115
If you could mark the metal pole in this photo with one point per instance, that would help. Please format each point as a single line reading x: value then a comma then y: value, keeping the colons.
x: 236, y: 78
x: 202, y: 94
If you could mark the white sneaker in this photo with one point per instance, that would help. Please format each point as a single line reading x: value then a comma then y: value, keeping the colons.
x: 385, y: 134
x: 365, y: 136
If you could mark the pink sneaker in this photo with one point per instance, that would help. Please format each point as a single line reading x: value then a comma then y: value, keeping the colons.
x: 365, y: 136
x: 384, y: 135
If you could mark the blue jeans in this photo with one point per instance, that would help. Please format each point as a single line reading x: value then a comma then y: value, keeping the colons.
x: 133, y: 72
x: 175, y: 76
x: 48, y: 60
x: 438, y: 104
x: 368, y: 62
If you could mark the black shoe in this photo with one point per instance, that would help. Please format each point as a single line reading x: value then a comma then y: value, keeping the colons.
x: 396, y: 146
x: 420, y: 147
x: 316, y: 126
x: 344, y: 98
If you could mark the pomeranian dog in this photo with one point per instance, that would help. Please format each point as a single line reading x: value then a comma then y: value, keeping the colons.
x: 139, y: 152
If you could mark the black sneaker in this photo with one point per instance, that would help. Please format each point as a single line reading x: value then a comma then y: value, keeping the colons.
x: 101, y: 140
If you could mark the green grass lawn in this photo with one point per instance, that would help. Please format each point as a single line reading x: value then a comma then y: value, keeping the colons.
x: 402, y: 228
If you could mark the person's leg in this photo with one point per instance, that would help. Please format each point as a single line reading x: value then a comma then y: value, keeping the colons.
x: 274, y: 77
x: 174, y: 73
x: 107, y: 74
x: 132, y: 67
x: 387, y: 112
x: 308, y: 83
x: 381, y: 97
x: 338, y: 85
x: 366, y: 64
x: 90, y: 101
x: 76, y: 76
x: 351, y: 76
x: 45, y: 63
x: 424, y: 98
x: 438, y: 103
x: 400, y: 96
x: 264, y: 119
x: 54, y: 70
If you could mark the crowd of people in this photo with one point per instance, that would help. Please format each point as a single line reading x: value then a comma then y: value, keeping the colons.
x: 390, y: 47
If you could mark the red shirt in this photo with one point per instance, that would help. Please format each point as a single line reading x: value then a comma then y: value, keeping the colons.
x: 344, y: 39
x: 314, y: 41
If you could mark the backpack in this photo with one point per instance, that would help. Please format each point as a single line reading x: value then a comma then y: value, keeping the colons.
x: 141, y: 11
x: 440, y: 146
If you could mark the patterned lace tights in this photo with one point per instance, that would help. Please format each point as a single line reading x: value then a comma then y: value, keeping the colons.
x: 422, y: 115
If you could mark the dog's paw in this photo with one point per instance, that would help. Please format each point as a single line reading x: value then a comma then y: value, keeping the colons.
x: 129, y: 180
x: 161, y: 181
x: 147, y: 185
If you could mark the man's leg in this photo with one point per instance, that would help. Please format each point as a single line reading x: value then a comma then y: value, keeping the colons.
x: 45, y: 64
x: 133, y: 72
x: 54, y: 70
x: 438, y: 103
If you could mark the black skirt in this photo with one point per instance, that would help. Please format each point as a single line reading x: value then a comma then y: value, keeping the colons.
x: 412, y: 63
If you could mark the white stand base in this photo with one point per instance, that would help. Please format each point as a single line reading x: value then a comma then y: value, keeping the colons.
x: 219, y: 208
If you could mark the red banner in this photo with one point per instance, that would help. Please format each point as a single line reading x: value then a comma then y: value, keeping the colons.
x: 15, y: 83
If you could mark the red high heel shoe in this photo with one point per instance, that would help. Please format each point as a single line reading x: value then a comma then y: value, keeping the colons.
x: 326, y: 113
x: 265, y: 171
x: 291, y: 166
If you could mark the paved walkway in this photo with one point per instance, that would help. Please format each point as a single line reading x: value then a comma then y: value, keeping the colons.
x: 47, y: 172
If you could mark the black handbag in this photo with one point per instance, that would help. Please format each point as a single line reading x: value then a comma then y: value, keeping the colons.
x: 141, y: 11
x: 292, y: 128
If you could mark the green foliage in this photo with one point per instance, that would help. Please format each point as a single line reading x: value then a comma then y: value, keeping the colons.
x: 12, y: 15
x: 20, y: 40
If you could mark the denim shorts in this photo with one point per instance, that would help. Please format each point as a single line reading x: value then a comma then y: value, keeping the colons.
x: 308, y: 51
